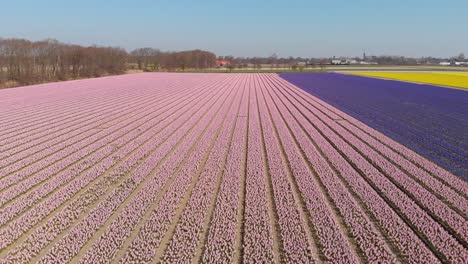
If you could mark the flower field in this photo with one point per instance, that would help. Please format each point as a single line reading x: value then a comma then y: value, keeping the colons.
x: 453, y: 79
x: 214, y: 168
x: 430, y: 120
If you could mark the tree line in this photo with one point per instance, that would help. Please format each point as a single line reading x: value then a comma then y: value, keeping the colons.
x: 381, y: 60
x: 24, y: 62
x: 151, y: 59
x: 27, y: 62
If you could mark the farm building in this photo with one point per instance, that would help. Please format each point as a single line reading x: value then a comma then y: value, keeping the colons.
x: 222, y: 63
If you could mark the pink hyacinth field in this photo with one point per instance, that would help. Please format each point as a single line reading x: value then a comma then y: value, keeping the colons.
x: 213, y: 168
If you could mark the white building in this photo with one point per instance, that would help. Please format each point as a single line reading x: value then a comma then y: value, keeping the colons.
x: 344, y: 62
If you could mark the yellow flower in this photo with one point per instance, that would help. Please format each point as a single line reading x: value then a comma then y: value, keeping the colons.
x: 452, y: 79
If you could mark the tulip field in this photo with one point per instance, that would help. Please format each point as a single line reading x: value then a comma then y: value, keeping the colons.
x: 215, y: 168
x: 452, y: 79
x: 428, y: 119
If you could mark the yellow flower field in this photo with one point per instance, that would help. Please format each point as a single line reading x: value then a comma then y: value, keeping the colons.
x: 453, y: 79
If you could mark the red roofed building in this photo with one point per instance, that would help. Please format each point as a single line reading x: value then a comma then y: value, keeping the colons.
x: 222, y: 63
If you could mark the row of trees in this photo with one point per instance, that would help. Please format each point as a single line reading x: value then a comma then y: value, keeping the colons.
x: 273, y: 59
x: 402, y: 60
x: 383, y: 60
x: 27, y: 62
x: 24, y: 62
x: 154, y: 59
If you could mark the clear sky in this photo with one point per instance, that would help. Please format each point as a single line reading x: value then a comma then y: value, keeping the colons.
x: 248, y: 28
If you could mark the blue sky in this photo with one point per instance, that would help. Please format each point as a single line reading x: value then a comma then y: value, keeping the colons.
x: 248, y: 28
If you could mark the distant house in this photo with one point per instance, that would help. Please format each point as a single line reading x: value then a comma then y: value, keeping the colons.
x: 222, y: 63
x: 336, y: 62
x: 453, y: 63
x: 344, y: 62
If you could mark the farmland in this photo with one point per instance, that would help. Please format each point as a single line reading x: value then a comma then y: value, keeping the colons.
x: 218, y: 168
x: 428, y: 119
x: 452, y: 79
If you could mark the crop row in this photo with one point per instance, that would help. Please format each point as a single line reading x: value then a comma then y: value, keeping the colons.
x: 77, y: 237
x: 146, y: 138
x: 431, y: 231
x: 89, y: 156
x: 224, y: 168
x: 428, y: 119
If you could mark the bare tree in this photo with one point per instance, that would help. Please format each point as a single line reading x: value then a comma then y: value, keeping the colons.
x: 27, y: 62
